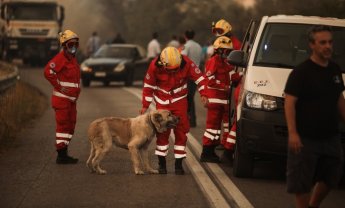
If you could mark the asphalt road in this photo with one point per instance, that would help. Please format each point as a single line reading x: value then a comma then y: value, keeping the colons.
x: 29, y: 176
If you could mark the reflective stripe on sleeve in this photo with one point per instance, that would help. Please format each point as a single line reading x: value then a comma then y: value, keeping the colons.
x: 213, y: 131
x: 166, y: 102
x: 149, y: 86
x: 176, y: 90
x: 179, y: 98
x: 58, y: 94
x: 208, y: 135
x: 199, y: 80
x: 148, y: 99
x: 179, y: 89
x: 69, y: 84
x: 211, y: 77
x: 215, y: 100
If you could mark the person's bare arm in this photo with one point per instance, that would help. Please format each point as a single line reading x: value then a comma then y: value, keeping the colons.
x: 294, y: 141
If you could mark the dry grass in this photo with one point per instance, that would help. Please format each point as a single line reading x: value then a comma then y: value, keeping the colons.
x: 19, y: 106
x: 5, y: 68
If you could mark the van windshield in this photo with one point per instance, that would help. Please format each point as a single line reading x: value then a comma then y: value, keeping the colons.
x: 285, y: 45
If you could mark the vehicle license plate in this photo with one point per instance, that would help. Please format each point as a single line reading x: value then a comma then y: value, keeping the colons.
x: 100, y: 74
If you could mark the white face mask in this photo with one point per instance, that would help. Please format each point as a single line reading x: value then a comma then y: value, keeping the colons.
x: 72, y: 50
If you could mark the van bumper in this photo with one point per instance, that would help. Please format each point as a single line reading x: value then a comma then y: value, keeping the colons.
x: 262, y: 132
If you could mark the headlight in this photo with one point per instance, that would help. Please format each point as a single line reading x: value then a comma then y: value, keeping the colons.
x: 259, y: 101
x: 119, y: 68
x: 86, y: 68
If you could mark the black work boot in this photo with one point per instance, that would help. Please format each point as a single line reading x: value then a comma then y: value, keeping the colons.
x: 162, y: 169
x: 64, y: 158
x: 178, y: 166
x: 208, y: 154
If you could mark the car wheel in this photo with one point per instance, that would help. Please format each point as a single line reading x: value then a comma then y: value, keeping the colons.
x: 106, y: 83
x: 243, y: 165
x: 85, y: 82
x: 129, y: 78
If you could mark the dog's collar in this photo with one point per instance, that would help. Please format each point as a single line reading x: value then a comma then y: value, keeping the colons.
x: 152, y: 124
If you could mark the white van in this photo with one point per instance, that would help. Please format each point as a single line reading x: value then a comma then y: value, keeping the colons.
x: 271, y: 49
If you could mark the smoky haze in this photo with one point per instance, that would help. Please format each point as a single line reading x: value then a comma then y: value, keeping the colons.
x: 88, y: 16
x: 136, y: 20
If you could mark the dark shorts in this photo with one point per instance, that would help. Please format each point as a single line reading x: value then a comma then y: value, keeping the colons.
x: 319, y: 160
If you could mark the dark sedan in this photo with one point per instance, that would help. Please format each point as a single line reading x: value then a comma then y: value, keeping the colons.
x: 115, y: 62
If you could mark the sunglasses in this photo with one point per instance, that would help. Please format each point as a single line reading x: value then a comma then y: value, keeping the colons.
x: 71, y: 44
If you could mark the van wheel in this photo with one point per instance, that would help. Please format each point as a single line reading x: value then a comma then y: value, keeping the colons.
x: 243, y: 163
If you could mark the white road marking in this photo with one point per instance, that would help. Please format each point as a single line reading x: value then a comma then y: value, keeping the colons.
x: 206, y: 184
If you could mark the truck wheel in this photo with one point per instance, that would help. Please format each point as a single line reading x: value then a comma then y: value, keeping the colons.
x: 85, y: 82
x: 243, y: 163
x: 129, y: 78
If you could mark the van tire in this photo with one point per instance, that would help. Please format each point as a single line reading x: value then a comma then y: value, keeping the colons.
x: 243, y: 165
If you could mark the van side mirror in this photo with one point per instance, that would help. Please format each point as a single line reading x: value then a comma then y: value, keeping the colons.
x: 237, y: 58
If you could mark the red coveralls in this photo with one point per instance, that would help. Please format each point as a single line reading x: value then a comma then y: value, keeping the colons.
x: 64, y: 72
x: 169, y: 91
x: 230, y: 141
x: 217, y: 92
x: 236, y: 43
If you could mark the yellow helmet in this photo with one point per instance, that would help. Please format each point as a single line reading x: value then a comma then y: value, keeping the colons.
x: 221, y: 27
x: 170, y: 58
x: 66, y: 36
x: 223, y: 42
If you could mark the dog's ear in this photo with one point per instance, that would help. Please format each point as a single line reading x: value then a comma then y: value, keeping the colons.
x: 158, y: 117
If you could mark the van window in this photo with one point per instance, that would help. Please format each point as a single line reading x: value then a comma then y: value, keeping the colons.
x: 285, y: 45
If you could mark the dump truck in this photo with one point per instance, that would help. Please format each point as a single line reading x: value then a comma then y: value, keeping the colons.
x: 29, y: 29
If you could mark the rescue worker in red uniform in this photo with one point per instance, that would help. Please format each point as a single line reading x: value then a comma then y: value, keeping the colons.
x: 166, y: 84
x: 223, y: 28
x: 63, y: 73
x: 217, y: 92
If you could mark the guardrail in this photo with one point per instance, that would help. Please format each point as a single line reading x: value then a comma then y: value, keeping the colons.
x: 9, y: 80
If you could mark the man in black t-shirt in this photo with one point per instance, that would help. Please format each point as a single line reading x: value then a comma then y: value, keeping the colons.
x: 313, y: 102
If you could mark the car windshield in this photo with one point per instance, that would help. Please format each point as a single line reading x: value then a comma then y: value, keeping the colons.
x: 115, y: 52
x: 32, y: 12
x: 286, y: 45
